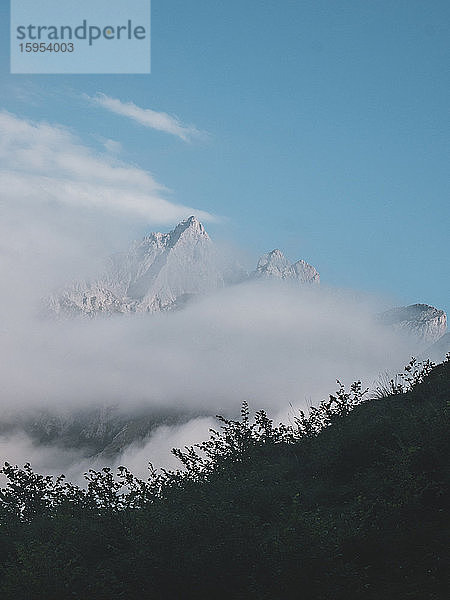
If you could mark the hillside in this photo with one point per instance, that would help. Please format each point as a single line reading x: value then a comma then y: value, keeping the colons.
x: 348, y: 503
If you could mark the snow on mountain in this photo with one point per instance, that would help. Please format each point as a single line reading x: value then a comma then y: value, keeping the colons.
x: 274, y: 265
x: 159, y: 273
x: 164, y: 270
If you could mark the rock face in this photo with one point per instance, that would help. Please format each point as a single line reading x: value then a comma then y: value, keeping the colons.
x: 159, y: 273
x: 164, y: 270
x: 167, y: 267
x: 275, y: 265
x: 421, y: 320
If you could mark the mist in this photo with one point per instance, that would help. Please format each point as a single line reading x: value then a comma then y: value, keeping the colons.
x: 266, y: 343
x: 278, y: 347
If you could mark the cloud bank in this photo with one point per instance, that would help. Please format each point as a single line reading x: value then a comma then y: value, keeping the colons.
x: 278, y: 347
x: 48, y: 165
x: 270, y: 345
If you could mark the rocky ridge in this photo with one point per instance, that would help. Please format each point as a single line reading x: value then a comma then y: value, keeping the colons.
x: 164, y: 270
x: 423, y: 321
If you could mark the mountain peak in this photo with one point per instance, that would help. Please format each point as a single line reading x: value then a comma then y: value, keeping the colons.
x: 426, y: 322
x: 192, y: 220
x: 276, y: 253
x: 192, y: 223
x: 274, y: 265
x: 164, y: 270
x: 190, y: 227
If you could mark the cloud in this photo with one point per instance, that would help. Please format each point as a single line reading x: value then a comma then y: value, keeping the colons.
x: 270, y: 345
x: 113, y: 146
x: 156, y: 449
x: 18, y: 448
x: 47, y: 165
x: 147, y: 117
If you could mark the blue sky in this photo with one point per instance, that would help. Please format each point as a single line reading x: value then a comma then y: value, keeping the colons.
x: 326, y: 129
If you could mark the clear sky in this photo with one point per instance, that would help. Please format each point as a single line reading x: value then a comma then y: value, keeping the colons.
x: 327, y: 129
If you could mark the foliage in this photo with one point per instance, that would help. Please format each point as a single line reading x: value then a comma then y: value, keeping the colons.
x: 349, y: 502
x: 414, y: 373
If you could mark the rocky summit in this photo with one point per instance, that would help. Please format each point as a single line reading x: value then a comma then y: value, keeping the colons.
x: 164, y: 270
x: 275, y: 265
x: 421, y: 320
